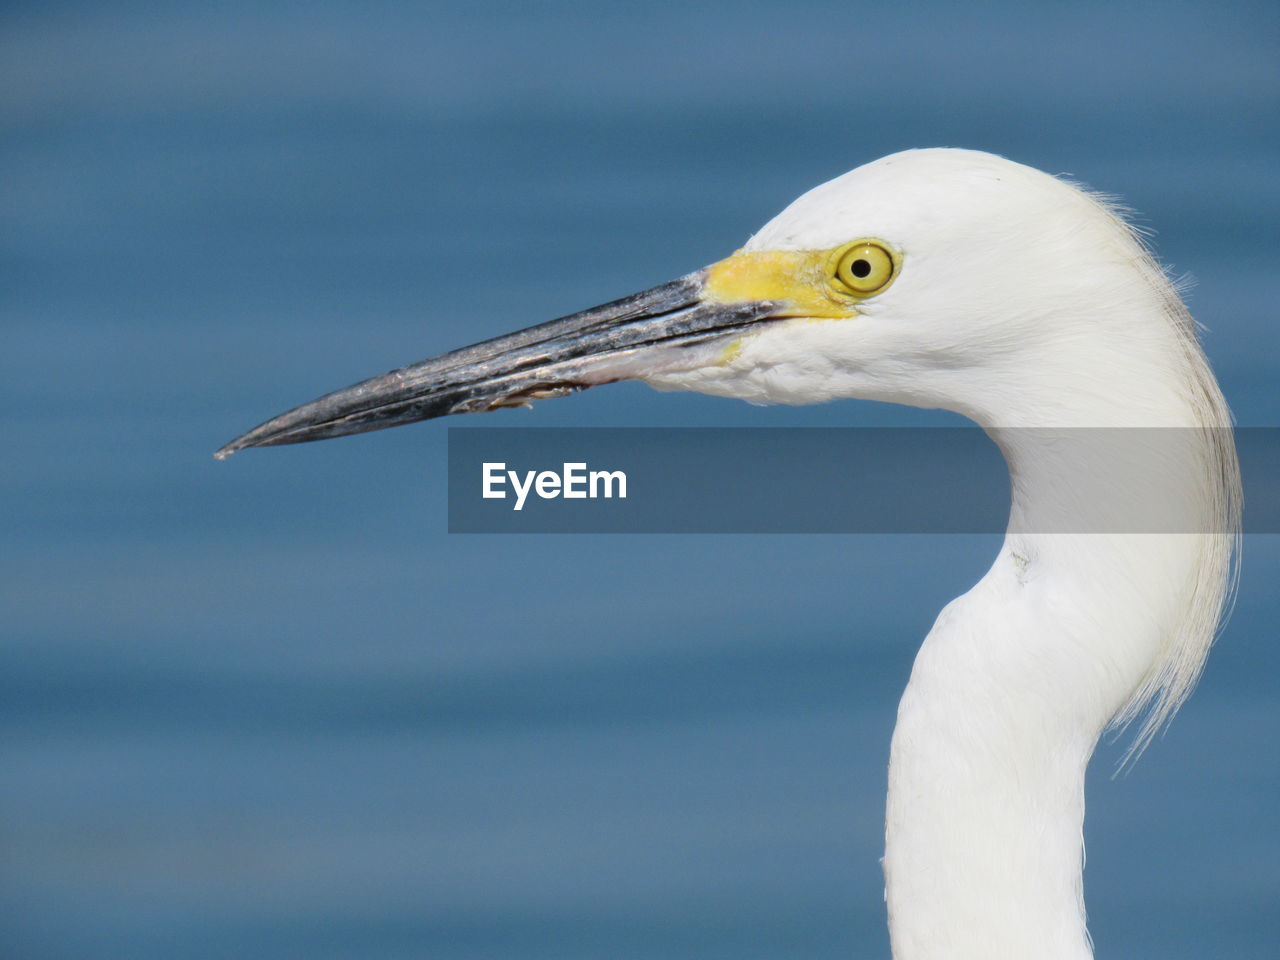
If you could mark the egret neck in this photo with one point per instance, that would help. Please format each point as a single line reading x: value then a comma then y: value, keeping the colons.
x: 1078, y: 620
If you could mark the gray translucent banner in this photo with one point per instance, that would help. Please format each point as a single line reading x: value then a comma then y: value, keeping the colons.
x: 859, y: 480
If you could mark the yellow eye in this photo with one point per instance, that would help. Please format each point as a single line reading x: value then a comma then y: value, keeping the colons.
x: 864, y: 268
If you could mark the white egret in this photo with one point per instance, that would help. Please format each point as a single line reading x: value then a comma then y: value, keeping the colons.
x: 960, y: 280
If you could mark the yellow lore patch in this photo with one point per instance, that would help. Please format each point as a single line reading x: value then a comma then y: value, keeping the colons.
x: 807, y: 284
x: 798, y: 278
x: 812, y: 284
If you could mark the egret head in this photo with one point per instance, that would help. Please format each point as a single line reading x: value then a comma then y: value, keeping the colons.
x: 941, y: 278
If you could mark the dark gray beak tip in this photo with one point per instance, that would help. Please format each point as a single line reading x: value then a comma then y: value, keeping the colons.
x: 254, y: 438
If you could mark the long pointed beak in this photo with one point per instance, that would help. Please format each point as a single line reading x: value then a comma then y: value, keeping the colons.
x: 625, y: 339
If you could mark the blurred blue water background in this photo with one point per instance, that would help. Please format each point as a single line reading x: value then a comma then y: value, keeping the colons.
x: 269, y: 708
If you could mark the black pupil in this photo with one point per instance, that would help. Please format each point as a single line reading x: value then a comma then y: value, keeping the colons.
x: 860, y: 268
